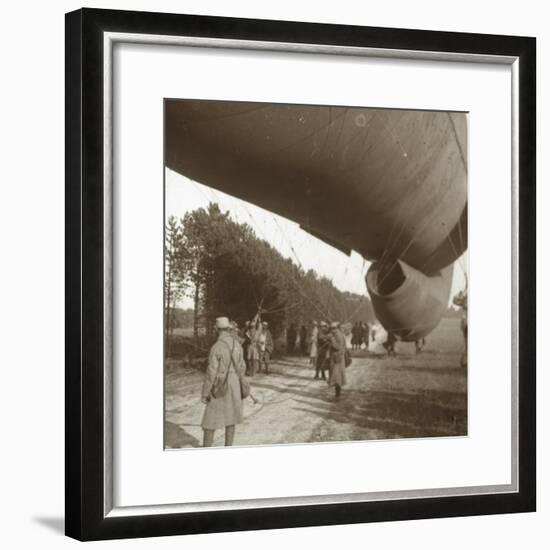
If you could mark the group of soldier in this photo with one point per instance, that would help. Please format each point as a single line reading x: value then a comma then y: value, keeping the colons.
x: 325, y: 344
x: 257, y: 343
x: 238, y: 353
x: 327, y: 354
x: 244, y: 352
x: 359, y: 335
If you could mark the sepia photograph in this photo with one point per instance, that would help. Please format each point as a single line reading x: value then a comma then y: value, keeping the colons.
x: 315, y: 273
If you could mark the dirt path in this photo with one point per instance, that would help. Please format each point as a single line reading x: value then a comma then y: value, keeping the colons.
x: 405, y: 396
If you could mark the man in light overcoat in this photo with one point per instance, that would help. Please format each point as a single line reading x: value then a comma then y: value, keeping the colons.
x: 267, y: 346
x: 337, y: 372
x: 225, y: 362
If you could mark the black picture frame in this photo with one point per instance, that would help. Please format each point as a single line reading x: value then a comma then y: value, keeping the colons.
x: 85, y: 397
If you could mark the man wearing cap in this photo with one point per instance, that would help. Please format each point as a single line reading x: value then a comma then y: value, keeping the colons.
x: 337, y: 372
x: 225, y: 362
x: 389, y: 344
x: 234, y: 331
x: 323, y: 351
x: 267, y: 346
x: 245, y: 339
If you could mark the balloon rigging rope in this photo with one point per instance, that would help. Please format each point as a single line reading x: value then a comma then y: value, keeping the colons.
x: 217, y: 118
x: 401, y: 217
x: 298, y: 286
x: 406, y: 205
x: 390, y: 251
x: 415, y: 236
x: 215, y: 198
x: 391, y: 247
x: 458, y: 143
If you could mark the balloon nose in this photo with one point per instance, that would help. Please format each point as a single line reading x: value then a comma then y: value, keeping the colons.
x: 406, y: 301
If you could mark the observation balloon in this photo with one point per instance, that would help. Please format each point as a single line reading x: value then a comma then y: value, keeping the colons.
x: 389, y: 184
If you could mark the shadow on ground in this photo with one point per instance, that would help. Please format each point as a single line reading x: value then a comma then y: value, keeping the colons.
x: 175, y: 436
x: 424, y: 413
x: 56, y: 525
x: 314, y: 394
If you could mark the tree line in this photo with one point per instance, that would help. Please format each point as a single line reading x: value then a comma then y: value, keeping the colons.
x: 225, y: 269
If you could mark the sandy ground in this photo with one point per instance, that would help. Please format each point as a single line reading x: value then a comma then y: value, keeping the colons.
x: 408, y: 395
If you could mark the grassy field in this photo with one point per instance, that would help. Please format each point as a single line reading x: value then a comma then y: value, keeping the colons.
x: 446, y: 338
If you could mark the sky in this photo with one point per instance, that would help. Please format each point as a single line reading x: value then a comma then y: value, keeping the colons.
x: 347, y: 273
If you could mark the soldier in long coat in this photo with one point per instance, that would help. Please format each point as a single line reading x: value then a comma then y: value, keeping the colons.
x: 356, y: 336
x: 323, y: 351
x: 365, y: 337
x: 245, y: 337
x: 337, y: 372
x: 267, y: 346
x: 254, y: 349
x: 227, y: 411
x: 389, y: 344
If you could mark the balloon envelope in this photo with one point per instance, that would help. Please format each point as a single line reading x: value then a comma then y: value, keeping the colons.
x: 390, y: 184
